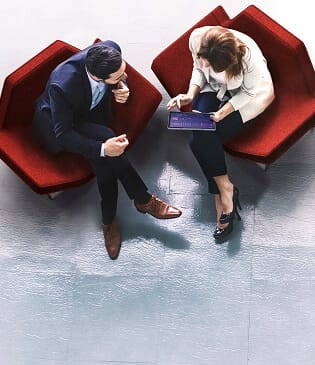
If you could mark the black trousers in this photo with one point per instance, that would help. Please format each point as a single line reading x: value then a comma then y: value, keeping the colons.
x: 206, y: 146
x: 108, y: 170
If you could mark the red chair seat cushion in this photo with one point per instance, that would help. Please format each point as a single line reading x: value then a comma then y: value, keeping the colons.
x: 273, y: 132
x: 44, y: 172
x: 292, y: 112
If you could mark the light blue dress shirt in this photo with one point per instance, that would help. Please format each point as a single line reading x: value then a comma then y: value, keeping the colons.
x: 98, y: 90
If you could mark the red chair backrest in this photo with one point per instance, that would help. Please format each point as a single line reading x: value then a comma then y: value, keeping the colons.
x: 287, y: 57
x: 23, y: 86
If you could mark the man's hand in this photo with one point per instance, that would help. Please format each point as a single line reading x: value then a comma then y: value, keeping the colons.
x: 179, y: 101
x: 122, y: 92
x: 116, y: 146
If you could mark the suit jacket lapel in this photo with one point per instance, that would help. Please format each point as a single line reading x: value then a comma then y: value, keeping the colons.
x: 86, y: 86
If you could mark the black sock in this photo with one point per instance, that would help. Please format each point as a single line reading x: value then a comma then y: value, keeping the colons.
x: 143, y: 197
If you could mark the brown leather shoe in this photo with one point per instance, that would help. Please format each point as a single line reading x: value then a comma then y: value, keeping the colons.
x: 112, y: 239
x: 158, y: 209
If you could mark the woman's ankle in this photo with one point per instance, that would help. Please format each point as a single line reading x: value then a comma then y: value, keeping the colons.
x: 227, y: 199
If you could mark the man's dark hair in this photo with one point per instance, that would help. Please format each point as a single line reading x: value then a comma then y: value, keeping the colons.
x: 101, y: 61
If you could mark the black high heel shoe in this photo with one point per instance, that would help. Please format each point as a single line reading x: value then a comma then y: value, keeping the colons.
x: 220, y: 233
x: 226, y: 218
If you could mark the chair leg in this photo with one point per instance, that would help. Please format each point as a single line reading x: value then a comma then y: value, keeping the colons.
x: 52, y: 196
x: 263, y: 166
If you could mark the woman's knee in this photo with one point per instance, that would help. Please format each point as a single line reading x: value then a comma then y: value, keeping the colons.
x: 201, y: 141
x: 198, y: 149
x: 193, y: 144
x: 205, y: 102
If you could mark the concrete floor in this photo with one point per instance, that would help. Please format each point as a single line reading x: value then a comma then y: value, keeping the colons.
x: 173, y: 297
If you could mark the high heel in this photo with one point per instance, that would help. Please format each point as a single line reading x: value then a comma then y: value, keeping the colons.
x: 226, y: 218
x: 220, y: 233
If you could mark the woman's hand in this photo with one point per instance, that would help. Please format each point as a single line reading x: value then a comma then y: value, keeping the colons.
x: 179, y: 101
x: 222, y: 113
x: 215, y: 116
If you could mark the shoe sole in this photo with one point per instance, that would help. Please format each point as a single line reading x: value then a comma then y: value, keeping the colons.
x: 172, y: 217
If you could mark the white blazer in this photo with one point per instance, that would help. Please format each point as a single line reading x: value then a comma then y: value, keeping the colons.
x: 251, y: 92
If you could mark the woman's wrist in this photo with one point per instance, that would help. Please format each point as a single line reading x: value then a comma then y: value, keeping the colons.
x: 193, y: 91
x: 220, y: 115
x: 226, y: 109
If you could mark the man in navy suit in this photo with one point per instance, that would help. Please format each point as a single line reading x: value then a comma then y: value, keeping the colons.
x: 72, y: 115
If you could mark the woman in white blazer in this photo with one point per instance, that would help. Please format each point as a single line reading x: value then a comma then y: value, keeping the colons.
x: 230, y: 80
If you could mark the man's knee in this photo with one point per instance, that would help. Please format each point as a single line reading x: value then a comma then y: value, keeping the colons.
x: 95, y: 131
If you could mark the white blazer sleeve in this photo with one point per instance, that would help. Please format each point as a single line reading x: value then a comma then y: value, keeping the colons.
x: 254, y: 71
x: 197, y: 77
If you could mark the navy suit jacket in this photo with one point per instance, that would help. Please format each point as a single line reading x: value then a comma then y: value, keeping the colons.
x: 66, y: 103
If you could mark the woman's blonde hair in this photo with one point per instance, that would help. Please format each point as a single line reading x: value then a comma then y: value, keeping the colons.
x: 223, y: 51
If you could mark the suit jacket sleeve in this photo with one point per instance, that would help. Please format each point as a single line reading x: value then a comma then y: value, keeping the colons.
x: 63, y: 121
x: 68, y: 97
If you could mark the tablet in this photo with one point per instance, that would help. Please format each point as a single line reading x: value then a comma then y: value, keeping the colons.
x: 191, y: 121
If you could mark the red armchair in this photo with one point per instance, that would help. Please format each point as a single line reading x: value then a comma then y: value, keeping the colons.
x: 292, y: 112
x: 43, y: 172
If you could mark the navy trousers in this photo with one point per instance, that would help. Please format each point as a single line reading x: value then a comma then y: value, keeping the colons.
x: 108, y: 170
x: 206, y: 146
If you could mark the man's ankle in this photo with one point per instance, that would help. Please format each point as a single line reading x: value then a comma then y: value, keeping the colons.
x: 143, y: 198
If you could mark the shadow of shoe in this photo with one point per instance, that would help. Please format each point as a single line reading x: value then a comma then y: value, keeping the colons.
x: 152, y: 231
